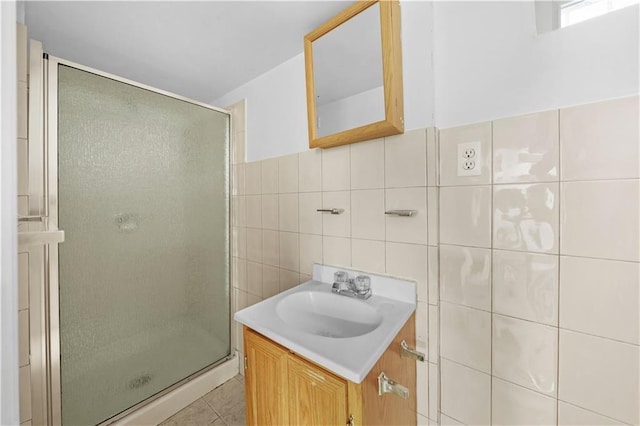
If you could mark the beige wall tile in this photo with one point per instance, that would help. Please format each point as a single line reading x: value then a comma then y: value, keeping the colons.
x: 367, y: 164
x: 404, y: 229
x: 570, y: 415
x: 239, y: 116
x: 433, y: 223
x: 368, y: 255
x: 239, y: 211
x: 288, y: 279
x: 526, y: 217
x: 432, y: 156
x: 600, y: 140
x: 288, y: 174
x: 526, y: 148
x: 238, y: 187
x: 252, y: 299
x: 466, y: 394
x: 239, y: 147
x: 270, y: 248
x: 23, y: 280
x: 466, y: 336
x: 448, y: 421
x: 433, y: 353
x: 525, y: 353
x: 254, y: 211
x: 288, y: 212
x: 422, y: 388
x: 239, y: 273
x: 337, y: 225
x: 23, y: 333
x: 448, y: 146
x: 465, y: 216
x: 335, y: 169
x: 270, y: 212
x: 434, y: 392
x: 254, y: 278
x: 239, y: 242
x: 465, y: 276
x: 310, y: 252
x: 25, y: 393
x: 23, y: 167
x: 600, y: 375
x: 21, y: 52
x: 600, y: 297
x: 525, y: 285
x: 515, y: 405
x: 405, y: 161
x: 408, y: 261
x: 254, y: 245
x: 310, y: 220
x: 422, y: 327
x: 336, y: 251
x: 367, y: 214
x: 600, y: 219
x: 270, y: 176
x: 310, y: 171
x: 270, y: 281
x: 253, y: 178
x: 433, y: 275
x: 289, y: 251
x: 22, y: 130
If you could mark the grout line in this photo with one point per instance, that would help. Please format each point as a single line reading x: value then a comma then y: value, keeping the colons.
x: 591, y: 411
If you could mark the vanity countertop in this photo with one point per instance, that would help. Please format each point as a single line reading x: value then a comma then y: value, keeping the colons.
x: 351, y: 334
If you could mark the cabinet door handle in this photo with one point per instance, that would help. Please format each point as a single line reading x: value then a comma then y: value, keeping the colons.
x: 386, y: 385
x: 407, y: 351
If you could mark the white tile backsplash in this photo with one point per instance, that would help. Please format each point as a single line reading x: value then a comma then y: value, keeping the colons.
x: 404, y: 229
x: 337, y: 225
x: 601, y: 219
x: 526, y: 148
x: 525, y: 285
x: 466, y: 336
x: 408, y: 261
x: 336, y: 169
x: 525, y: 353
x: 465, y: 276
x: 449, y: 140
x: 368, y: 255
x: 465, y: 216
x: 515, y: 405
x: 367, y: 214
x: 525, y: 217
x: 405, y: 159
x: 570, y: 415
x: 600, y: 140
x: 310, y: 171
x: 465, y: 394
x: 367, y: 164
x: 600, y: 375
x: 600, y: 297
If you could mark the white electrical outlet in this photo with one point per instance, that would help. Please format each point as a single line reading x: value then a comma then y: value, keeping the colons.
x: 469, y: 159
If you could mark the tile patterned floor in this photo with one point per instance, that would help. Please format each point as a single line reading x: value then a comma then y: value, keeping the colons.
x: 223, y: 406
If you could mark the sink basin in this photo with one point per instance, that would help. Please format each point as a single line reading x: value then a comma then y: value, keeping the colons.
x: 328, y: 314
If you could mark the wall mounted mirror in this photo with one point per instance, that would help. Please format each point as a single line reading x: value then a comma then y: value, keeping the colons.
x: 353, y: 67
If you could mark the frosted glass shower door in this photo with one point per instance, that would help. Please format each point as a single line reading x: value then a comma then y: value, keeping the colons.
x: 143, y: 197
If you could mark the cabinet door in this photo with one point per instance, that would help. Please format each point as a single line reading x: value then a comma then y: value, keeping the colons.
x: 317, y: 396
x: 265, y: 381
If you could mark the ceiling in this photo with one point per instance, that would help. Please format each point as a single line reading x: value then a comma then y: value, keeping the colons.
x: 200, y: 50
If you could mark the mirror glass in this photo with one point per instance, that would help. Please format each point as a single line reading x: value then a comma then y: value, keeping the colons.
x: 349, y: 89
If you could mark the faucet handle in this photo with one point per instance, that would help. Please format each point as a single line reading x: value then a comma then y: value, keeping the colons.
x: 340, y: 277
x: 363, y: 284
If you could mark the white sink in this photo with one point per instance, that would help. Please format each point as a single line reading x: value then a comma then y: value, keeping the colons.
x: 345, y: 335
x: 328, y: 314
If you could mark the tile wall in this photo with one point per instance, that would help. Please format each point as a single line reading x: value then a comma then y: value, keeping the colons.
x: 279, y: 234
x: 23, y: 210
x: 539, y: 270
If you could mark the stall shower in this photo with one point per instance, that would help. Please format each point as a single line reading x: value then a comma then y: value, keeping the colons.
x: 139, y: 295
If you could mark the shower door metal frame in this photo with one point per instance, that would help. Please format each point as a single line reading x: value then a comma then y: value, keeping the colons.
x: 43, y: 189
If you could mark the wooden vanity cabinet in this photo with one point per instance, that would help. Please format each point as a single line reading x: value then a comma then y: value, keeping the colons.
x: 283, y: 388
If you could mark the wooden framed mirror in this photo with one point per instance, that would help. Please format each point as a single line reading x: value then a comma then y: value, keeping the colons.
x: 353, y: 66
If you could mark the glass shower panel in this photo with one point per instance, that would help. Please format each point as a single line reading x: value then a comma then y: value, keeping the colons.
x: 143, y: 197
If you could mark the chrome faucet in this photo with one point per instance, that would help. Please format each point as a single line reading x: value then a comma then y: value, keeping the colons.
x: 360, y: 287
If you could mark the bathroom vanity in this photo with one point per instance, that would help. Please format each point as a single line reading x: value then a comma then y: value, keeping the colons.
x: 314, y: 356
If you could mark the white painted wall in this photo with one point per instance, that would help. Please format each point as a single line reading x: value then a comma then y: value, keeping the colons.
x: 490, y: 62
x: 351, y: 112
x: 9, y: 410
x: 465, y: 62
x: 276, y: 101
